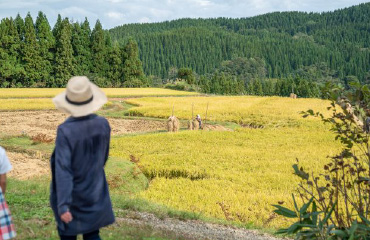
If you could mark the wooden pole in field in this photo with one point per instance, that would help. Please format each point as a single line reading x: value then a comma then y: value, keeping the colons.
x: 192, y: 111
x: 173, y: 109
x: 205, y: 119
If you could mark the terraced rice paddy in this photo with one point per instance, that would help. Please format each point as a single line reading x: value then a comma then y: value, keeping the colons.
x: 232, y: 175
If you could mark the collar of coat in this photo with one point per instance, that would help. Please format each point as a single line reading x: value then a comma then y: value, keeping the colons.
x: 73, y: 119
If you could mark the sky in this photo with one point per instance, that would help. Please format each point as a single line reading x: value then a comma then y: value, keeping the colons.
x: 118, y: 12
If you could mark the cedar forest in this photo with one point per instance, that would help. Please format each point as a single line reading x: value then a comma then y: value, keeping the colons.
x: 272, y: 54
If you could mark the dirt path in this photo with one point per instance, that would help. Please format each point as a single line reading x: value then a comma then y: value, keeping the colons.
x: 32, y: 123
x: 192, y: 229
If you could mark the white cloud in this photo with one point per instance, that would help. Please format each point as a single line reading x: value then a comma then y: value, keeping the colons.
x: 115, y: 15
x: 159, y: 13
x: 203, y: 3
x: 291, y: 5
x: 144, y: 20
x: 75, y: 11
x: 115, y: 1
x: 77, y: 14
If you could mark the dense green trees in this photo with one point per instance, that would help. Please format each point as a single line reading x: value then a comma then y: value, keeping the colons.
x: 271, y: 54
x: 248, y: 76
x: 285, y: 41
x: 64, y: 67
x: 132, y: 67
x: 81, y: 48
x: 186, y: 74
x: 115, y: 71
x: 98, y: 49
x: 31, y: 58
x: 46, y: 44
x: 34, y: 55
x: 9, y: 53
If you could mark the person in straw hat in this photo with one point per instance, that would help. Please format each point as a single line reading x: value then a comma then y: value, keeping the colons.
x: 79, y: 195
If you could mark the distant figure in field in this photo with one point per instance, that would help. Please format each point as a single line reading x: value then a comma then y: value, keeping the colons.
x: 7, y: 230
x: 199, y: 121
x: 79, y: 193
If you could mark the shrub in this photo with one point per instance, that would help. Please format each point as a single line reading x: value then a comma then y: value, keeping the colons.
x: 180, y: 85
x: 336, y: 203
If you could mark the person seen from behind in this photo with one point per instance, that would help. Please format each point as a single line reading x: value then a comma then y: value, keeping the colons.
x: 79, y: 194
x: 199, y: 121
x: 7, y: 230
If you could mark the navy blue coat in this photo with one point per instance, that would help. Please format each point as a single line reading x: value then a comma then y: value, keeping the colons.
x: 78, y: 179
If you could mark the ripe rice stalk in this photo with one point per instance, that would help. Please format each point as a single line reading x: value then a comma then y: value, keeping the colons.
x: 176, y: 124
x: 170, y: 124
x: 173, y: 124
x: 195, y: 124
x: 190, y: 125
x: 266, y: 111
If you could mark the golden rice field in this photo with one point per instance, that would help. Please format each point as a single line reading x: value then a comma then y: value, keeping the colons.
x: 245, y: 171
x: 242, y: 172
x: 267, y: 111
x: 11, y: 104
x: 14, y: 99
x: 111, y: 92
x: 25, y: 104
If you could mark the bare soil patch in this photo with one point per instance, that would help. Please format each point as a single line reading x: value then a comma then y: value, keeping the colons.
x: 32, y: 123
x: 41, y: 126
x: 215, y: 128
x: 26, y: 166
x: 122, y: 126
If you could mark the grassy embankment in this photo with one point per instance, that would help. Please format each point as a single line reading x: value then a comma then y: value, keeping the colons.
x: 29, y: 199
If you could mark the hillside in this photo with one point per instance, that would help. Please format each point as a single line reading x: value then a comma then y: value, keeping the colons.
x: 286, y: 41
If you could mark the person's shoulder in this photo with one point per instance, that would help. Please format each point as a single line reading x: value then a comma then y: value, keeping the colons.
x: 101, y: 119
x: 66, y: 122
x: 61, y: 126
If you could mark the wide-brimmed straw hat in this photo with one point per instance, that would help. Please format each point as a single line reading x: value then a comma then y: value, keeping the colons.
x: 81, y: 97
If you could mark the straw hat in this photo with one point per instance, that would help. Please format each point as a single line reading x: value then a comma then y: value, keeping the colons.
x: 81, y: 97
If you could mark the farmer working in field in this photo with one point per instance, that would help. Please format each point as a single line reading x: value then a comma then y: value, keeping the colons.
x: 79, y: 191
x: 6, y: 224
x: 199, y: 121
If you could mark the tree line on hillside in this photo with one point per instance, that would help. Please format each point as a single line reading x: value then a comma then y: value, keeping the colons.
x: 271, y: 54
x: 286, y: 41
x: 32, y: 54
x: 248, y: 76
